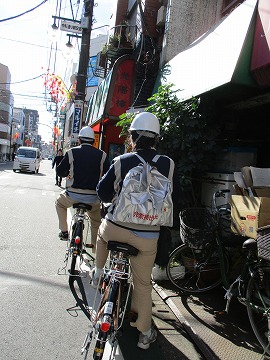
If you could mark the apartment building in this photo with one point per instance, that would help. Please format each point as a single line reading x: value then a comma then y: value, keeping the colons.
x: 6, y: 106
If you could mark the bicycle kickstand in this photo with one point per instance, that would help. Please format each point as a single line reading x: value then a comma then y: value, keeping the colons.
x: 230, y: 294
x: 62, y: 270
x: 87, y: 342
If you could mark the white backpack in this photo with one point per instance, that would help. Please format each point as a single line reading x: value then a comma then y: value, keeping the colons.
x: 146, y: 195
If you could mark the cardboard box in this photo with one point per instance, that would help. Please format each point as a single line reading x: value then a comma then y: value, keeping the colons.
x: 262, y: 191
x: 248, y: 214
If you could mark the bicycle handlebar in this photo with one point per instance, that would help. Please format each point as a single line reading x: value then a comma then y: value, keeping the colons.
x: 219, y: 193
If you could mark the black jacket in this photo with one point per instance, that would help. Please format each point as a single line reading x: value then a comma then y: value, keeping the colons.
x: 83, y: 166
x: 57, y: 160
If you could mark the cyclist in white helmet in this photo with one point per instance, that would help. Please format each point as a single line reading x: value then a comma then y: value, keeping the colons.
x: 83, y: 167
x: 144, y: 134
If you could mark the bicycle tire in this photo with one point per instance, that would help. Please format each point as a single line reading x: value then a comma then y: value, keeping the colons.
x: 196, y: 270
x: 77, y: 230
x: 258, y: 305
x: 111, y: 294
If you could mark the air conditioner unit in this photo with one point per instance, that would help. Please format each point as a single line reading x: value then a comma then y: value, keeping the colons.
x: 161, y: 16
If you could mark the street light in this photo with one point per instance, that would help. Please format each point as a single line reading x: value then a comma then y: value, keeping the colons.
x: 69, y: 44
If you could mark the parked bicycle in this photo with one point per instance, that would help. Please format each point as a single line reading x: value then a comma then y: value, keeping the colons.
x: 202, y: 263
x: 106, y: 319
x: 77, y: 255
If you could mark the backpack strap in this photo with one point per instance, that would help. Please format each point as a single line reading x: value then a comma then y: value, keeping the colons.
x: 140, y: 158
x: 171, y: 169
x: 117, y: 172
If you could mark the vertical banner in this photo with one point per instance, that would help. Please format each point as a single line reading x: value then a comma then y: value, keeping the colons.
x: 77, y: 120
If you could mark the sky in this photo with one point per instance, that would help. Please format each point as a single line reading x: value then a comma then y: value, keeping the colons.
x: 29, y: 48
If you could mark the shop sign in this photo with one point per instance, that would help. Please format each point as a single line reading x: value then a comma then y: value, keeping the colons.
x: 96, y: 142
x: 70, y: 26
x: 77, y: 119
x: 122, y: 89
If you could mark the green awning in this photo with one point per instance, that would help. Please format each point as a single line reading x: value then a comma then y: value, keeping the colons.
x: 220, y: 56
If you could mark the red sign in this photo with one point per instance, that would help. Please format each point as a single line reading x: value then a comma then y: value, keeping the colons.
x: 122, y: 88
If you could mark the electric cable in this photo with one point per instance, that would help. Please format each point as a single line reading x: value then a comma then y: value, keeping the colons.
x: 27, y: 11
x: 17, y: 82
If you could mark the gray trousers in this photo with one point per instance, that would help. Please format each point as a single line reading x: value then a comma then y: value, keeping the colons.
x: 141, y: 265
x: 63, y: 202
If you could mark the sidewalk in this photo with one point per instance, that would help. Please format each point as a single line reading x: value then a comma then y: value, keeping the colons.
x: 222, y: 337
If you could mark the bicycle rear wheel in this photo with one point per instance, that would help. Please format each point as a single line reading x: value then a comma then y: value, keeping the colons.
x: 196, y: 270
x: 258, y: 306
x: 77, y: 232
x: 108, y: 312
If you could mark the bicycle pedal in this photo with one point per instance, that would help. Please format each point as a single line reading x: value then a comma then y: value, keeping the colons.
x: 220, y: 312
x: 89, y: 246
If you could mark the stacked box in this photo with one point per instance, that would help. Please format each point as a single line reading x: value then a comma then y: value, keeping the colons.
x: 248, y: 214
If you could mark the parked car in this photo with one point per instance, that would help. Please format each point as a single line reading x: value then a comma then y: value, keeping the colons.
x: 27, y: 159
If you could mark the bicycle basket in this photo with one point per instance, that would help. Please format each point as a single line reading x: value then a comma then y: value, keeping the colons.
x: 263, y: 242
x: 196, y: 227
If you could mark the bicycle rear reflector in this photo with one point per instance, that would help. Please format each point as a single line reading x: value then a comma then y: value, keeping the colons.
x: 105, y: 324
x: 77, y: 240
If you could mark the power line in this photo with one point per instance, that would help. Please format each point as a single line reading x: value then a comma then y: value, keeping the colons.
x: 27, y: 11
x: 22, y: 81
x: 23, y: 42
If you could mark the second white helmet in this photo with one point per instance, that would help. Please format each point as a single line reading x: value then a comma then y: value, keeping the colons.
x: 145, y: 122
x: 87, y: 133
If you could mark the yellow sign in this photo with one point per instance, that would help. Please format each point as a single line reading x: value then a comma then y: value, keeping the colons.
x: 96, y: 142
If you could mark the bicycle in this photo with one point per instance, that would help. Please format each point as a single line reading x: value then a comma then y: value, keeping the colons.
x: 75, y: 253
x: 107, y: 318
x: 202, y: 263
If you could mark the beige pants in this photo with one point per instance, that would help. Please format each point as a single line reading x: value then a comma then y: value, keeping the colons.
x: 63, y: 202
x: 141, y: 266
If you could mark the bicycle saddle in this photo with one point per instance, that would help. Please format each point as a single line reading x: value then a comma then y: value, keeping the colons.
x: 250, y: 244
x: 82, y: 205
x: 118, y: 246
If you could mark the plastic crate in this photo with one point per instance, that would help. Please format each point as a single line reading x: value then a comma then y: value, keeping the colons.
x: 263, y: 242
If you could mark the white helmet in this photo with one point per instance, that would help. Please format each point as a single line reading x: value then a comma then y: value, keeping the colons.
x: 145, y: 122
x: 87, y: 133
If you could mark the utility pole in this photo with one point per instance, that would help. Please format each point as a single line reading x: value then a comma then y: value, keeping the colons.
x: 86, y: 24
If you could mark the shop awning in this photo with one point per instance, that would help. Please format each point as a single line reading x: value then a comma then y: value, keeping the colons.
x: 211, y: 60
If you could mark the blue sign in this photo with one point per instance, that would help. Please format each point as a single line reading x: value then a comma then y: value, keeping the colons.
x: 92, y: 80
x: 77, y: 120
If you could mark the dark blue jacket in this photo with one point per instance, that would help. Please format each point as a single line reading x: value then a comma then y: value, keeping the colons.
x: 83, y: 166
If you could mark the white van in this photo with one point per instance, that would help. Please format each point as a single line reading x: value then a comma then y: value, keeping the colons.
x: 27, y: 159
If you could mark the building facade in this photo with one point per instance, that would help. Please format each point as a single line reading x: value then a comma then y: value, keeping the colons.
x: 6, y: 106
x: 217, y: 50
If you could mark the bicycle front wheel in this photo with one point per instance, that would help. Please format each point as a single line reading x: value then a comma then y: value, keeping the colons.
x: 195, y: 270
x: 258, y: 306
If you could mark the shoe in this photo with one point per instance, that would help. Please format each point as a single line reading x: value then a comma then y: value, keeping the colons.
x: 145, y: 341
x: 56, y: 184
x: 63, y: 235
x: 94, y: 282
x: 59, y: 184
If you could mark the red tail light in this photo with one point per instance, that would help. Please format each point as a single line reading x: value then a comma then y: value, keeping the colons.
x: 105, y: 324
x: 77, y: 240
